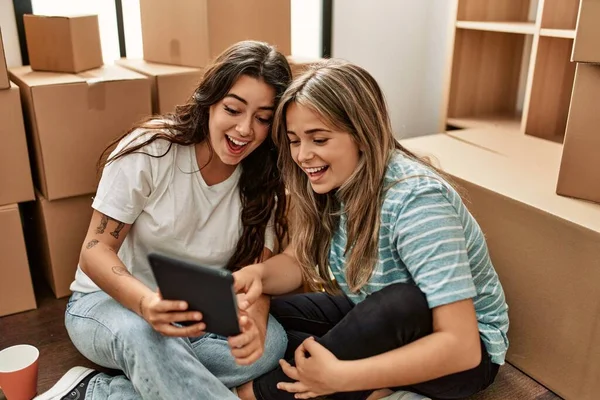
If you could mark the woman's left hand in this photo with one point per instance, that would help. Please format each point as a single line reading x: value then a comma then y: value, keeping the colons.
x: 317, y: 374
x: 248, y: 346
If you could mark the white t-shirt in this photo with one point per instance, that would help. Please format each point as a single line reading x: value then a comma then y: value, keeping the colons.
x: 171, y: 207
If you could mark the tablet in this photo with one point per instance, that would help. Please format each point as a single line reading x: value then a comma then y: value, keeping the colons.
x: 208, y: 290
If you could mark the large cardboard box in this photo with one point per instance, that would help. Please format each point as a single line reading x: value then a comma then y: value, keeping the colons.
x: 4, y: 83
x: 72, y: 118
x: 586, y: 47
x: 55, y: 237
x: 63, y: 44
x: 192, y: 32
x: 172, y: 85
x: 16, y: 289
x: 543, y: 246
x: 15, y: 174
x: 580, y: 166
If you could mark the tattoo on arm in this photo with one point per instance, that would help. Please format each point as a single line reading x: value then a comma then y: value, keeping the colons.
x: 117, y: 230
x: 121, y: 271
x: 91, y: 244
x: 104, y: 222
x: 140, y: 305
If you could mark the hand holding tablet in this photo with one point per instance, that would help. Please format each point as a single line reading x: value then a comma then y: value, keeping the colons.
x: 207, y: 290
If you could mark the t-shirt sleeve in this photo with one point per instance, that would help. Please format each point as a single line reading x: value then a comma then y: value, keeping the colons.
x: 125, y: 186
x: 430, y: 240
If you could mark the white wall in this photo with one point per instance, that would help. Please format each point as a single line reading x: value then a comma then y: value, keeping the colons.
x: 306, y: 28
x: 10, y: 37
x: 403, y: 43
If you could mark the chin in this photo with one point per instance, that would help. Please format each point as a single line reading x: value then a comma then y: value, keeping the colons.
x: 321, y: 189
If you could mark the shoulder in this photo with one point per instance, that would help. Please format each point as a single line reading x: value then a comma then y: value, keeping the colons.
x: 151, y: 139
x: 407, y: 179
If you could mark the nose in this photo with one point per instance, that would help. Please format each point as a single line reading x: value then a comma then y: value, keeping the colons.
x: 305, y: 153
x: 244, y: 128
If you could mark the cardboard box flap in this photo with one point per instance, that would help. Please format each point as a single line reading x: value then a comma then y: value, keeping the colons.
x: 9, y: 207
x: 109, y: 73
x: 37, y: 78
x: 65, y: 16
x: 155, y: 69
x: 531, y: 181
x: 103, y: 74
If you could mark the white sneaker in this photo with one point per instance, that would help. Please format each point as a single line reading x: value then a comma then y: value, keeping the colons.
x: 72, y: 385
x: 402, y: 395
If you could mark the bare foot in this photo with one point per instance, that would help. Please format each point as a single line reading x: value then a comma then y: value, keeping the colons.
x: 379, y: 394
x: 246, y: 392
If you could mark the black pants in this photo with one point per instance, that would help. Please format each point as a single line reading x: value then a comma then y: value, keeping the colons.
x: 385, y: 320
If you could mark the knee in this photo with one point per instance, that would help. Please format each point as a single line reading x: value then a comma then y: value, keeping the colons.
x: 133, y: 334
x: 400, y: 302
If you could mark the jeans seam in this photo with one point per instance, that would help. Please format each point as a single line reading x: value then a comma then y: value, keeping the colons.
x: 92, y: 319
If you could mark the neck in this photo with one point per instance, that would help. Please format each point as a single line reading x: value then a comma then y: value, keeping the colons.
x: 213, y: 170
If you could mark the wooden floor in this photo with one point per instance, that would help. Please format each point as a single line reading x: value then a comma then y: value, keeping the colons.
x: 44, y: 328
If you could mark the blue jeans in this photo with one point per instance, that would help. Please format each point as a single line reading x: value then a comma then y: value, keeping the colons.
x: 157, y: 366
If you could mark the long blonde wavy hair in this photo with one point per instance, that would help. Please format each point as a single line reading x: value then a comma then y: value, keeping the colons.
x: 348, y: 99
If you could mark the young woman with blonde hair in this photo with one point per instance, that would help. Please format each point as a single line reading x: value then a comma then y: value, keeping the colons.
x: 416, y: 303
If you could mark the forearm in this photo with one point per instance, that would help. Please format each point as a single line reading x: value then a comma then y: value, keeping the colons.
x: 280, y: 274
x: 433, y: 356
x: 101, y: 263
x: 259, y: 311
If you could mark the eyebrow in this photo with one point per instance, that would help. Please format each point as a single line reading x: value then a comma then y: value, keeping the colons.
x: 235, y: 96
x: 311, y: 131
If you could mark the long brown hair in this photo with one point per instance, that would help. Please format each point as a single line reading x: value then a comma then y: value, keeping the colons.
x: 261, y: 186
x: 348, y: 99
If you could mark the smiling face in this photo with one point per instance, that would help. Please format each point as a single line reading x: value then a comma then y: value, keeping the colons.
x: 326, y: 155
x: 240, y: 122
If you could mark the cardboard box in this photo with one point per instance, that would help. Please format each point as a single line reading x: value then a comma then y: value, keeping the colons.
x: 57, y: 232
x: 16, y: 289
x: 4, y: 82
x: 172, y: 85
x: 72, y: 118
x: 192, y: 32
x: 580, y: 166
x: 543, y: 246
x: 63, y: 44
x: 586, y: 47
x: 15, y: 174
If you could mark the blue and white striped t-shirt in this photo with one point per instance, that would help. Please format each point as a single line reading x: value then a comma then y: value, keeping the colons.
x: 428, y: 238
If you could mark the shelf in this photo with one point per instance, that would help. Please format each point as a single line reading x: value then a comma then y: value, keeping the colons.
x: 551, y: 89
x: 560, y: 14
x: 558, y: 33
x: 505, y: 122
x: 527, y: 28
x: 486, y: 73
x: 496, y: 10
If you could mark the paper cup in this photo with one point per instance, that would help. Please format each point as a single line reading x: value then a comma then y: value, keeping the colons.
x: 19, y: 372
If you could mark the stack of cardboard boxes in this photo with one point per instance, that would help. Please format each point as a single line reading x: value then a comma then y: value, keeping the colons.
x: 16, y: 290
x: 580, y: 166
x: 73, y: 107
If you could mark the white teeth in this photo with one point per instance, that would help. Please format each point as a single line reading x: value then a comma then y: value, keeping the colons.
x: 236, y: 141
x: 313, y: 170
